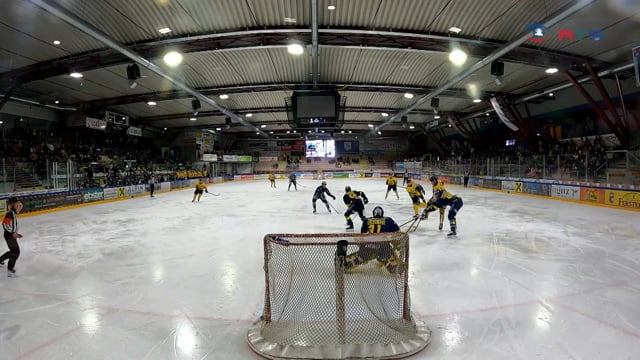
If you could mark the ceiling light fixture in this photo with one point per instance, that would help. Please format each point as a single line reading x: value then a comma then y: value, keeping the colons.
x: 477, y: 101
x: 370, y: 125
x: 290, y: 20
x: 263, y: 126
x: 56, y: 42
x: 76, y: 75
x: 551, y: 94
x: 172, y: 58
x: 151, y: 103
x: 457, y: 57
x: 411, y: 126
x: 164, y: 30
x: 295, y: 49
x: 384, y: 114
x: 57, y: 102
x: 436, y: 117
x: 249, y: 115
x: 224, y: 96
x: 331, y: 7
x: 218, y: 129
x: 193, y: 119
x: 551, y: 70
x: 408, y: 95
x: 455, y: 30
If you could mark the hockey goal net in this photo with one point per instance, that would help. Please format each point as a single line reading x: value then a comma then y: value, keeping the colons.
x: 318, y: 306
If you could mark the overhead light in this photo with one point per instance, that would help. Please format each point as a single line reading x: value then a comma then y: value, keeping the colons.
x: 164, y: 30
x: 449, y: 125
x: 1, y: 122
x: 193, y: 119
x: 257, y: 133
x: 342, y: 132
x: 57, y: 102
x: 551, y: 94
x: 76, y: 75
x: 370, y: 125
x: 457, y: 57
x: 309, y: 131
x: 218, y: 129
x: 379, y: 132
x: 165, y: 128
x: 270, y: 132
x: 408, y: 95
x: 295, y: 49
x: 487, y: 114
x: 263, y: 126
x: 172, y: 58
x: 331, y: 7
x: 151, y: 103
x: 411, y: 126
x: 455, y: 30
x: 436, y: 117
x: 224, y: 96
x: 249, y: 115
x: 384, y: 114
x: 551, y: 70
x: 477, y: 101
x: 290, y: 20
x: 56, y: 42
x: 349, y: 131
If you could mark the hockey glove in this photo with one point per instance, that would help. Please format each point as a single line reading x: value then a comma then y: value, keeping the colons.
x: 333, y: 197
x: 365, y: 201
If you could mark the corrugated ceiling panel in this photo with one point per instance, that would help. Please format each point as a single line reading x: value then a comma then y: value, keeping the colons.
x: 447, y: 104
x: 470, y: 15
x: 29, y: 31
x: 515, y: 20
x: 258, y: 100
x: 274, y: 12
x: 10, y: 60
x: 420, y: 69
x: 219, y: 15
x: 598, y: 16
x: 210, y: 69
x: 376, y: 100
x: 71, y: 90
x: 621, y: 37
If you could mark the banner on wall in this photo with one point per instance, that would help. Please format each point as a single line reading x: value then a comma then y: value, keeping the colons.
x: 626, y: 199
x: 565, y: 192
x: 592, y: 195
x: 209, y: 157
x: 93, y: 123
x: 134, y: 131
x: 347, y: 147
x: 245, y: 158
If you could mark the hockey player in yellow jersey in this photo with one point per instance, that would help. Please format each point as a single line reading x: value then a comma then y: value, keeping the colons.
x: 438, y: 185
x: 272, y: 180
x: 392, y: 184
x: 200, y: 187
x: 416, y: 192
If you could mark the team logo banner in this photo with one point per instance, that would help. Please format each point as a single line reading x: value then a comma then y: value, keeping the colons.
x: 346, y: 147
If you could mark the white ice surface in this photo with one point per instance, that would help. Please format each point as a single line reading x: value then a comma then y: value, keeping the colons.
x: 164, y: 278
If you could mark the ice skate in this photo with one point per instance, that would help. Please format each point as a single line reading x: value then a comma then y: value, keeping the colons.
x: 452, y: 233
x: 11, y: 272
x: 440, y: 227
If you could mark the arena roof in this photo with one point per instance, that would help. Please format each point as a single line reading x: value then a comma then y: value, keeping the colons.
x: 372, y: 51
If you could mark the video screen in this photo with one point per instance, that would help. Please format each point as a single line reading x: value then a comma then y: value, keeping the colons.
x: 320, y: 148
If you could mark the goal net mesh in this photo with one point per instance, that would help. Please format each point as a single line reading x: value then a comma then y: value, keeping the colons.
x: 318, y: 306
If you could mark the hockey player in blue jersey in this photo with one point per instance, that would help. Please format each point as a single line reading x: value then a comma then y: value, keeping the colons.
x: 383, y: 253
x: 319, y: 194
x: 440, y: 201
x: 355, y: 201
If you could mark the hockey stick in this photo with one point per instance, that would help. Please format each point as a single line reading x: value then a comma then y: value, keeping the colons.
x: 333, y: 207
x: 213, y: 194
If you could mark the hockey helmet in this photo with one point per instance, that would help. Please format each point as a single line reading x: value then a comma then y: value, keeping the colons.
x: 347, y: 188
x: 378, y: 212
x: 433, y: 178
x: 324, y: 183
x: 12, y: 200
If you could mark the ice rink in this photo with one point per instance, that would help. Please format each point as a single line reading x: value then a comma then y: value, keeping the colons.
x: 164, y: 278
